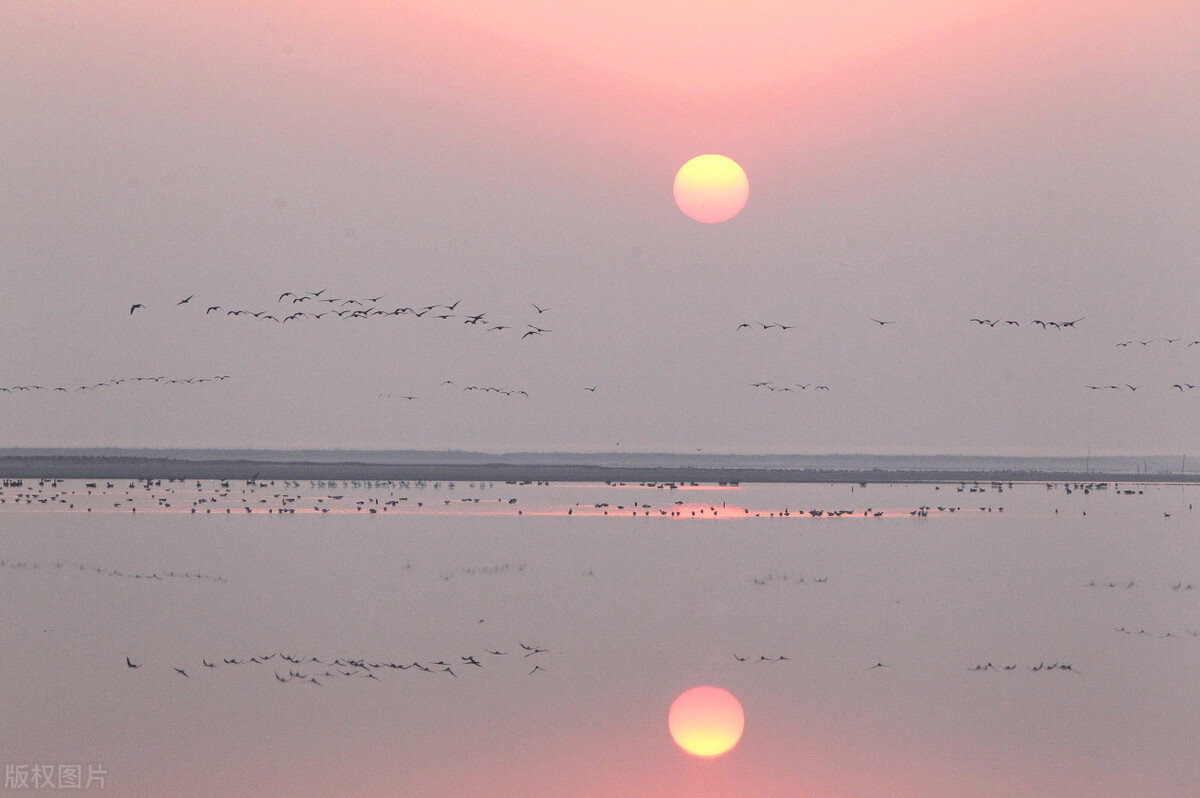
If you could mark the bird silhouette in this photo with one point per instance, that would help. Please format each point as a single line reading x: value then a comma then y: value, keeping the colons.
x: 135, y: 307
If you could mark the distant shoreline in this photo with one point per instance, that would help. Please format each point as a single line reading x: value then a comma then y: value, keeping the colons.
x: 80, y: 467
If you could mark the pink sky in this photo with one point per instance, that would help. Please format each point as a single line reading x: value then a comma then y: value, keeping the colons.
x: 925, y: 161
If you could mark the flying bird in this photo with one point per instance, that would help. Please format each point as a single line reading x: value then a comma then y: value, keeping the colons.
x: 877, y: 321
x: 135, y: 307
x: 185, y: 301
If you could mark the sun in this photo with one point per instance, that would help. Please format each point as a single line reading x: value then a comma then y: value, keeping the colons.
x: 706, y: 721
x: 711, y: 188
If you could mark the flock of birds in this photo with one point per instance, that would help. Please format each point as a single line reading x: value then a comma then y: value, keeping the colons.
x: 482, y: 389
x: 113, y: 383
x: 179, y: 495
x: 1129, y: 585
x: 316, y: 671
x: 304, y: 306
x: 1153, y: 340
x: 746, y: 325
x: 769, y: 385
x: 1167, y: 634
x: 763, y: 581
x: 358, y: 308
x: 62, y: 565
x: 1181, y: 386
x: 1045, y: 325
x: 491, y: 389
x: 1062, y: 667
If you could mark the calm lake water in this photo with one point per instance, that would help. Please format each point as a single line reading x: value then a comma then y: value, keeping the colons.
x: 1046, y: 649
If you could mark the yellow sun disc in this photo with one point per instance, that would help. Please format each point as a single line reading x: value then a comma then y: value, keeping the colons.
x: 711, y: 188
x: 706, y: 721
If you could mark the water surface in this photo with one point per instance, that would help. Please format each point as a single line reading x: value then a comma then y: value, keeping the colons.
x: 967, y: 608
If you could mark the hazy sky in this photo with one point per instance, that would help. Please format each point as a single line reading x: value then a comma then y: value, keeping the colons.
x: 918, y: 162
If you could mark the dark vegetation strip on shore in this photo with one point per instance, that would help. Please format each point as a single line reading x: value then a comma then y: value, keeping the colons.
x: 37, y: 467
